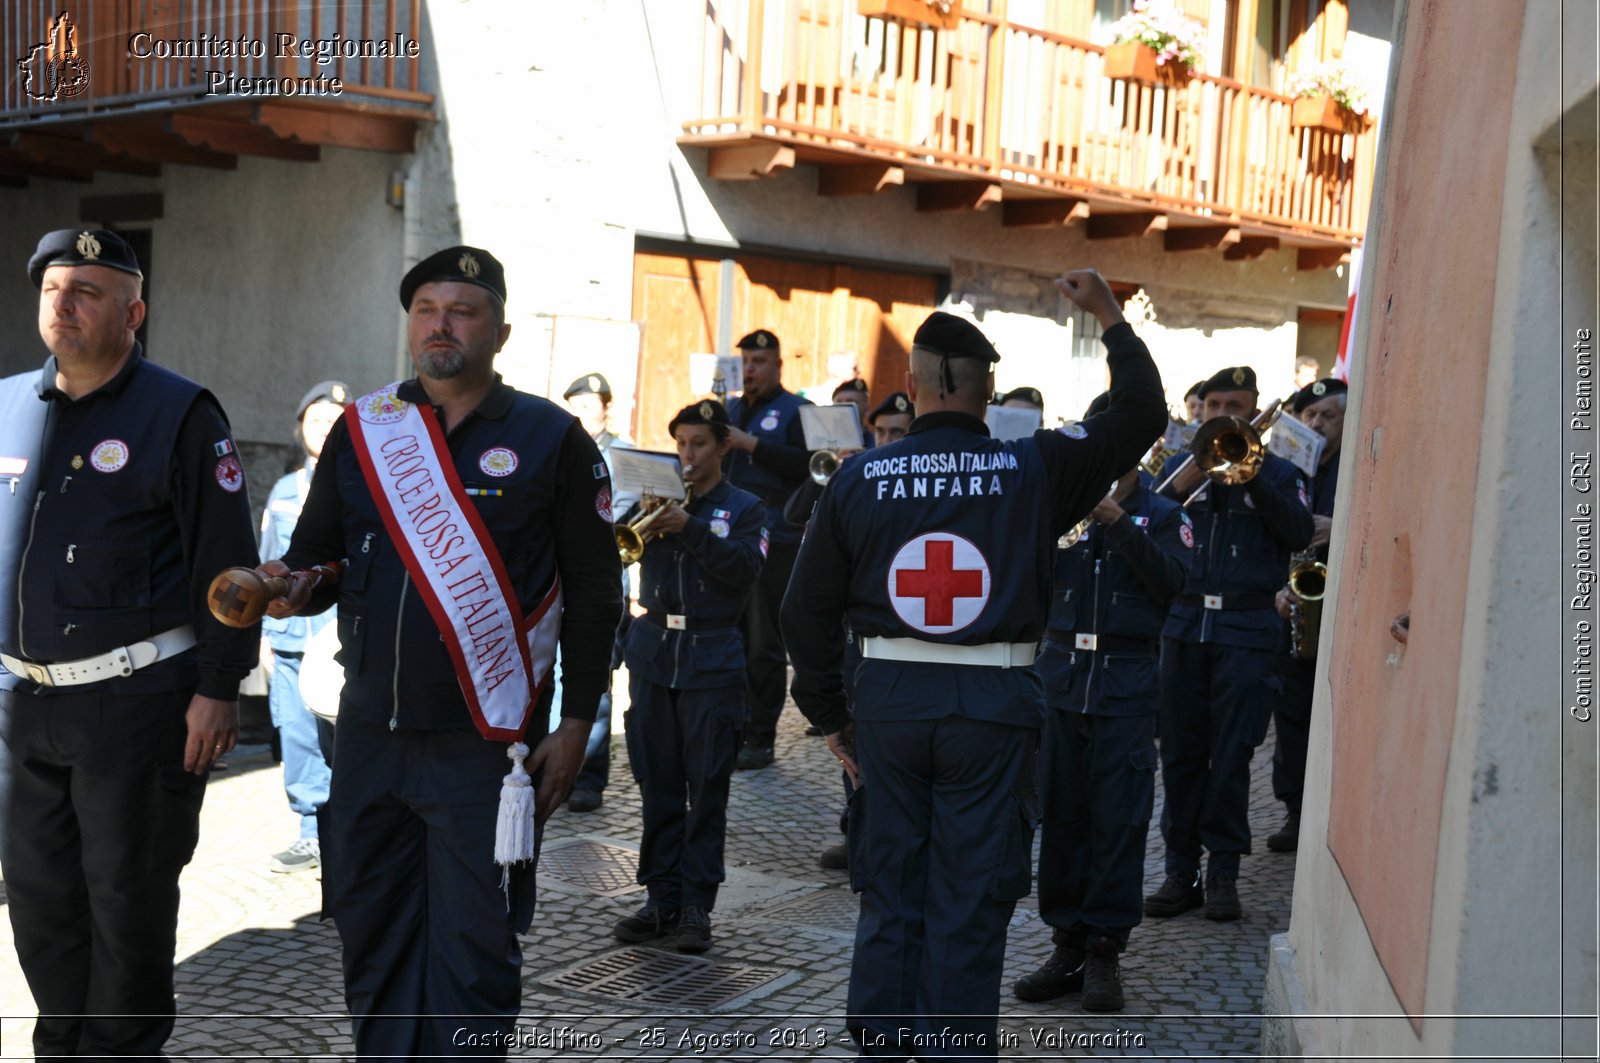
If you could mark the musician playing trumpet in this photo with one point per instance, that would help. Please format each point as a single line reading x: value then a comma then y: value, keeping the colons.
x: 686, y: 666
x: 1319, y: 406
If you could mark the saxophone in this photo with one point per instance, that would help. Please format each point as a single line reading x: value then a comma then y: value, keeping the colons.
x: 1308, y: 581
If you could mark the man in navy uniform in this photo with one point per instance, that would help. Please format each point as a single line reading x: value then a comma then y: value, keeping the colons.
x: 768, y: 458
x: 1024, y: 398
x: 891, y: 418
x: 119, y: 689
x: 1113, y: 584
x: 686, y: 683
x: 1217, y: 677
x: 854, y: 392
x: 1320, y: 406
x: 432, y: 604
x: 938, y: 549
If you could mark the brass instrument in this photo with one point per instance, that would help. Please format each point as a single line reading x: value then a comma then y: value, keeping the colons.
x: 632, y: 537
x: 1162, y: 453
x: 1308, y: 581
x: 823, y: 464
x: 1077, y: 531
x: 1228, y: 449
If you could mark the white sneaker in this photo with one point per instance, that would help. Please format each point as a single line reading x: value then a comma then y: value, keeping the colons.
x: 303, y: 855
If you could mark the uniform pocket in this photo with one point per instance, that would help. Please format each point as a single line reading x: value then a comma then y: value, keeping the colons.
x: 1013, y: 878
x: 1141, y: 792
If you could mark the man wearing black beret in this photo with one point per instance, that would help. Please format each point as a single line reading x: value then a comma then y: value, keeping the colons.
x: 891, y: 418
x: 1024, y: 398
x: 474, y: 518
x: 1319, y: 406
x: 938, y: 550
x: 119, y: 689
x: 1218, y: 646
x: 855, y: 392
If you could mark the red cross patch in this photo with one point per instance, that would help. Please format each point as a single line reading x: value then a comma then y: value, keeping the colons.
x: 938, y: 583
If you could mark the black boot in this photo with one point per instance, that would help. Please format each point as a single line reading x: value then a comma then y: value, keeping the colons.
x: 1222, y: 900
x: 1061, y: 974
x: 1178, y: 894
x: 1287, y: 838
x: 1102, y: 982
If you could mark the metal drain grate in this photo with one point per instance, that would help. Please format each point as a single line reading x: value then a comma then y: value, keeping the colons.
x: 834, y: 909
x: 662, y: 978
x: 607, y: 870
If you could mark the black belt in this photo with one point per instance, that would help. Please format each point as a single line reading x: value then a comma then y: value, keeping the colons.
x: 1229, y: 601
x: 675, y: 622
x: 1102, y: 643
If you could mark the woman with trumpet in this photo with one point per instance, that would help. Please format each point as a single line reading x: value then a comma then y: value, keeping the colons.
x: 686, y: 663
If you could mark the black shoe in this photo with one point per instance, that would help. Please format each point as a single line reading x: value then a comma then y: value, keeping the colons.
x: 648, y: 923
x: 694, y: 932
x: 753, y: 758
x: 1102, y: 983
x: 1061, y: 974
x: 835, y: 857
x: 1287, y: 838
x: 584, y: 800
x: 1222, y: 900
x: 1178, y: 894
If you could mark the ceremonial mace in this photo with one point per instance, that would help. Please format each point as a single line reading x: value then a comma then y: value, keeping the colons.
x: 238, y: 596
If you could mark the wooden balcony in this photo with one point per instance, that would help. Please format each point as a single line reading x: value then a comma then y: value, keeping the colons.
x: 127, y: 85
x: 994, y: 113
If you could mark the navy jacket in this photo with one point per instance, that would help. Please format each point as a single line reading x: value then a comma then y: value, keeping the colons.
x: 550, y: 513
x: 120, y: 507
x: 947, y: 536
x: 703, y: 573
x: 778, y: 464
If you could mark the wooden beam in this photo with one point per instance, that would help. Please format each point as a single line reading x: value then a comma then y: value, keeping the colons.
x: 1020, y: 212
x: 1120, y: 226
x: 857, y: 180
x: 149, y: 143
x: 342, y: 129
x: 77, y: 154
x: 750, y: 161
x: 1200, y: 237
x: 956, y: 195
x: 1250, y: 247
x: 1321, y: 257
x: 238, y: 138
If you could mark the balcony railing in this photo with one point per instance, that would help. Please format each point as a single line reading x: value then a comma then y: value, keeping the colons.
x: 1027, y: 108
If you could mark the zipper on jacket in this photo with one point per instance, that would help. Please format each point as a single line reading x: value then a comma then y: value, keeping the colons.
x: 1094, y: 614
x: 71, y: 548
x: 1211, y: 574
x: 683, y: 603
x: 399, y: 625
x: 22, y: 573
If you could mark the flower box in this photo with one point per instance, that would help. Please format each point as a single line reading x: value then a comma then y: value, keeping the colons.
x: 1132, y: 61
x: 944, y: 16
x: 1325, y: 112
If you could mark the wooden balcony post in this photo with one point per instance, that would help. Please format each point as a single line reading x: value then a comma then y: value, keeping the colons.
x: 752, y: 66
x: 994, y: 85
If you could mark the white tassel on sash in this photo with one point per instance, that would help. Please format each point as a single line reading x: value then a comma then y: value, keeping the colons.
x: 513, y: 833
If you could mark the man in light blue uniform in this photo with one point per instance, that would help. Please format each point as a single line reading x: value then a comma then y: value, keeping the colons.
x: 305, y: 747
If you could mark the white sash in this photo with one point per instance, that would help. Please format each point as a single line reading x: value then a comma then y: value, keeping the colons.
x: 502, y: 659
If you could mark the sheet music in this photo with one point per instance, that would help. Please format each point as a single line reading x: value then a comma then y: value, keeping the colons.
x: 831, y: 427
x: 643, y: 472
x: 1298, y: 443
x: 1012, y: 422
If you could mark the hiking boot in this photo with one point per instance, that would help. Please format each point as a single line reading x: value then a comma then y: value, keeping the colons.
x: 694, y: 932
x: 1102, y: 983
x: 835, y: 857
x: 303, y: 855
x: 753, y: 758
x: 584, y: 800
x: 1287, y: 838
x: 1178, y: 894
x: 1061, y: 974
x: 1222, y: 900
x: 648, y: 923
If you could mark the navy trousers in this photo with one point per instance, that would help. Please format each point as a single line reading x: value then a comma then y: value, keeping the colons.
x: 99, y: 818
x: 1215, y: 704
x: 766, y: 663
x: 682, y: 745
x: 941, y: 838
x: 432, y: 965
x: 1292, y: 717
x: 1097, y: 788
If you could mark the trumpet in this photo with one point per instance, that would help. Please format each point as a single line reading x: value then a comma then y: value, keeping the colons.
x: 1228, y: 449
x: 823, y: 464
x: 1308, y: 581
x: 632, y: 537
x: 1078, y: 530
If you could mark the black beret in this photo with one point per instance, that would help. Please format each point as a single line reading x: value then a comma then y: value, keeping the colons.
x: 899, y: 402
x: 954, y: 337
x: 706, y: 411
x: 1234, y: 378
x: 1025, y: 394
x: 1194, y: 389
x: 589, y: 384
x: 1316, y: 392
x: 1098, y: 404
x: 82, y: 247
x: 759, y: 340
x: 334, y: 391
x: 852, y: 385
x: 470, y: 265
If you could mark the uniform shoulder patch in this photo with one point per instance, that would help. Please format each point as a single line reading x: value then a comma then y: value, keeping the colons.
x: 230, y: 474
x: 1186, y: 534
x: 1075, y: 431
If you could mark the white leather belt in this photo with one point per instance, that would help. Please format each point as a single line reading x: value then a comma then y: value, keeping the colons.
x: 990, y: 654
x: 124, y: 660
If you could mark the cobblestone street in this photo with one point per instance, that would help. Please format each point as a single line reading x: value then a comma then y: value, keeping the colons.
x: 258, y: 973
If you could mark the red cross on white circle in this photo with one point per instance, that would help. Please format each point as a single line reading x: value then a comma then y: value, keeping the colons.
x: 938, y: 583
